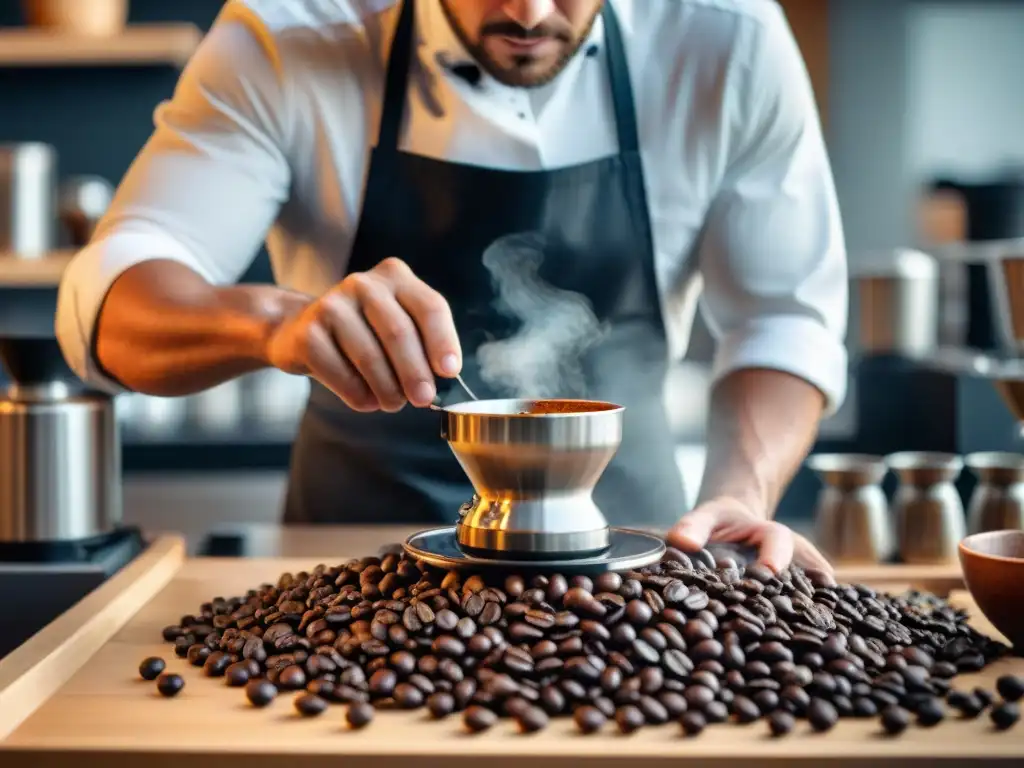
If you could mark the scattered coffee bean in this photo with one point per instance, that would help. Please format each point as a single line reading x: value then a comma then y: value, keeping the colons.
x: 693, y: 723
x: 629, y: 719
x: 260, y: 692
x: 589, y: 719
x: 531, y: 719
x: 1010, y: 687
x: 309, y: 705
x: 359, y: 714
x: 1005, y: 715
x: 478, y: 718
x: 781, y: 723
x: 822, y: 715
x: 930, y: 713
x: 151, y: 668
x: 169, y: 684
x: 895, y: 720
x: 237, y: 674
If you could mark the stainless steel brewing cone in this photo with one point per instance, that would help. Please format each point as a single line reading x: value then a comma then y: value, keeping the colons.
x: 534, y: 465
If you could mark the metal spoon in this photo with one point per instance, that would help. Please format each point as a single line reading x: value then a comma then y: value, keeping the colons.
x: 436, y: 405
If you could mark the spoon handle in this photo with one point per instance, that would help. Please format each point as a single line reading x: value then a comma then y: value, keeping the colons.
x: 468, y: 390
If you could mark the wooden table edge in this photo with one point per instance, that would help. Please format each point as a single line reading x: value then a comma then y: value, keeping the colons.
x: 39, y: 667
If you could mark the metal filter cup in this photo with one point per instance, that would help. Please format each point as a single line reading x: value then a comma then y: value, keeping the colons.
x: 533, y: 465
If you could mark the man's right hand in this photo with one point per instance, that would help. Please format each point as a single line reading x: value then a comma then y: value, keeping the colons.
x: 377, y: 340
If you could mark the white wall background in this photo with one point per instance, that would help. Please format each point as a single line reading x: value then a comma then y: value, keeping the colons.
x: 965, y: 94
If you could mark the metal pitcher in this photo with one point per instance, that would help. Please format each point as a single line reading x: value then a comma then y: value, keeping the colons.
x: 997, y: 502
x: 852, y: 522
x: 929, y: 513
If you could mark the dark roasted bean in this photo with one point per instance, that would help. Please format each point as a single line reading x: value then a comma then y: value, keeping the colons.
x: 1005, y: 715
x: 895, y: 720
x: 589, y: 719
x: 359, y: 714
x: 693, y: 723
x: 629, y: 719
x: 821, y: 715
x: 169, y: 684
x: 153, y: 667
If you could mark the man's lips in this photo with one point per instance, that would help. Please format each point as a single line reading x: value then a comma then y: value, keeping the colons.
x: 532, y: 44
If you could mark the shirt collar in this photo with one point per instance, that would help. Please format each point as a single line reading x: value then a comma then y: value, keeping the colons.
x: 440, y: 44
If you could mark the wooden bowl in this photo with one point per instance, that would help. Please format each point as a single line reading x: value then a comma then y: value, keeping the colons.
x: 993, y: 565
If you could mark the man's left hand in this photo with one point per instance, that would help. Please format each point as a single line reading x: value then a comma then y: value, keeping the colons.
x: 728, y: 520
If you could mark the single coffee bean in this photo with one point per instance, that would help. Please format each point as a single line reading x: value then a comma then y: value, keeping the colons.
x: 864, y: 707
x: 1010, y: 687
x: 198, y: 654
x: 408, y: 696
x: 930, y: 713
x: 693, y: 723
x: 440, y: 705
x: 477, y: 718
x: 151, y: 668
x: 1005, y: 715
x: 706, y: 649
x: 674, y: 703
x: 745, y: 710
x: 895, y: 720
x: 291, y: 678
x: 382, y: 683
x: 169, y: 684
x: 359, y: 714
x: 698, y: 696
x: 260, y: 692
x: 716, y: 712
x: 217, y: 664
x: 532, y: 719
x: 781, y: 723
x: 822, y: 715
x: 589, y: 719
x: 237, y: 674
x: 629, y: 719
x: 653, y: 710
x: 309, y: 705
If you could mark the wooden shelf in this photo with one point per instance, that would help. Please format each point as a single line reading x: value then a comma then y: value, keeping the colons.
x: 140, y: 44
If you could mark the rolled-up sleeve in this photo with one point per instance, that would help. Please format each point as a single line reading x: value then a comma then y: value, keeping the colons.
x: 772, y: 255
x: 203, y: 191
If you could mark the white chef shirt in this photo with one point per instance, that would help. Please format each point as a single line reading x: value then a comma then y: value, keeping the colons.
x: 268, y: 137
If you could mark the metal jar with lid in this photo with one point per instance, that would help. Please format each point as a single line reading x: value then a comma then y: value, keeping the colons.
x: 897, y: 296
x: 60, y: 457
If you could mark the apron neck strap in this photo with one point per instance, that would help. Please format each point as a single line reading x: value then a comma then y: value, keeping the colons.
x: 399, y: 58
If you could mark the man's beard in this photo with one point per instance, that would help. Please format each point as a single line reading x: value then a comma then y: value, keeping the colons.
x: 520, y: 74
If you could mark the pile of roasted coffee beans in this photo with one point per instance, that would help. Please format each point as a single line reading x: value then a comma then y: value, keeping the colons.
x: 694, y: 639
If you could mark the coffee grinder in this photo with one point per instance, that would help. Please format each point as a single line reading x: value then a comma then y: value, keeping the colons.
x: 60, y: 475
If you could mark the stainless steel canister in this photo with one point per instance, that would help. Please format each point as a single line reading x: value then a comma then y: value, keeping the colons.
x: 28, y: 199
x: 929, y: 513
x: 851, y: 520
x: 997, y: 502
x: 897, y: 302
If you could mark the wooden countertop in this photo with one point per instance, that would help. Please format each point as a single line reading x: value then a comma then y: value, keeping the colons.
x: 72, y: 697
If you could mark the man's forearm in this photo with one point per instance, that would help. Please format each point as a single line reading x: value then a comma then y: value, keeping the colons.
x: 163, y: 330
x: 761, y: 425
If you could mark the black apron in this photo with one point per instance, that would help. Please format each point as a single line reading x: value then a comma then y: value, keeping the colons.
x: 473, y: 234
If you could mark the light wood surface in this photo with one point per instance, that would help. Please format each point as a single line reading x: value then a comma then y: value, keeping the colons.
x: 33, y: 672
x: 105, y: 715
x: 42, y: 272
x: 172, y: 44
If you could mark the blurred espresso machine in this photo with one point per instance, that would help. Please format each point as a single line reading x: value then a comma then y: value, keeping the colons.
x: 935, y: 332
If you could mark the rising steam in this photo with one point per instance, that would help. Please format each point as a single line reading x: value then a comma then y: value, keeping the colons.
x: 544, y: 358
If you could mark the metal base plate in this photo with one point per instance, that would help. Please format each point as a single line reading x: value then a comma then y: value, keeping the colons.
x: 629, y: 549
